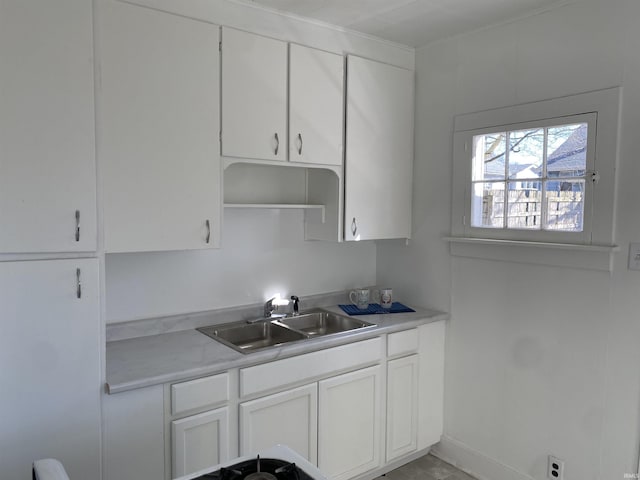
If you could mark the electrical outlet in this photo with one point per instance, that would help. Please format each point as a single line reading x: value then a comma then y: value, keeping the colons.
x: 555, y: 470
x: 634, y: 256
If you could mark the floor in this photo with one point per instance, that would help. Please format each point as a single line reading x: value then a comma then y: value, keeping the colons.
x: 426, y: 468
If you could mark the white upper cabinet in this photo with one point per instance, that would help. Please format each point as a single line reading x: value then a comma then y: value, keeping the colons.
x: 379, y: 150
x: 316, y: 106
x: 255, y: 72
x: 47, y: 159
x: 254, y: 96
x: 159, y: 124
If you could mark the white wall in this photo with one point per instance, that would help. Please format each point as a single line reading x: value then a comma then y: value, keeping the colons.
x: 540, y: 359
x: 263, y: 252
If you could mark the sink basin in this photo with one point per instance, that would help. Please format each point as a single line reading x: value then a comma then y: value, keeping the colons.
x: 245, y: 337
x: 249, y: 337
x: 323, y: 323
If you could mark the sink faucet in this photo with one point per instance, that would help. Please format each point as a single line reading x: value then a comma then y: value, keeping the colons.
x: 296, y: 305
x: 269, y: 307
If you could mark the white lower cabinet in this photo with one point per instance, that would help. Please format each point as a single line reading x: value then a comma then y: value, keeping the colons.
x: 133, y: 435
x: 340, y: 407
x: 289, y: 418
x: 50, y: 366
x: 199, y: 441
x: 402, y: 407
x: 349, y: 418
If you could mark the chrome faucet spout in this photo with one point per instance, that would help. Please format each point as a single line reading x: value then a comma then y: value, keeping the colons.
x: 269, y: 307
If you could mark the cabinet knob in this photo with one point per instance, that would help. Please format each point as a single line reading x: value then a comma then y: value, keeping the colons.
x: 208, y: 225
x: 300, y: 146
x: 78, y: 284
x: 277, y: 144
x: 354, y: 226
x: 77, y: 225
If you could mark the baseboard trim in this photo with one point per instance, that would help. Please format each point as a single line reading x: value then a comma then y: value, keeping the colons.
x: 473, y: 462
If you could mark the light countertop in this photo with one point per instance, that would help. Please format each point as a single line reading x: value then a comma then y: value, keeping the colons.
x: 169, y: 357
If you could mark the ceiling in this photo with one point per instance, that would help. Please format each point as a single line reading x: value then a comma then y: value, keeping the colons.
x: 410, y: 22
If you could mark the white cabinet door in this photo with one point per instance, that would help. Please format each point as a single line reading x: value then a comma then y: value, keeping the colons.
x: 379, y: 150
x: 254, y: 96
x: 159, y: 120
x: 133, y: 436
x: 199, y: 441
x: 402, y: 406
x: 289, y: 418
x: 349, y: 423
x: 50, y: 375
x: 431, y: 389
x: 47, y: 159
x: 316, y: 106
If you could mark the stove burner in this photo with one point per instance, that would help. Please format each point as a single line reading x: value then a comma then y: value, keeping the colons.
x: 260, y: 476
x: 259, y: 469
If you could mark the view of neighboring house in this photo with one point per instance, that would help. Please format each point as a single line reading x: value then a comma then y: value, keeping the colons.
x: 563, y: 197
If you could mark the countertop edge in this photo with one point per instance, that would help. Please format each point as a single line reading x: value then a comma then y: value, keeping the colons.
x: 426, y: 316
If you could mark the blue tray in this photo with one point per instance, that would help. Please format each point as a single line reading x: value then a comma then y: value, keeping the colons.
x: 374, y: 308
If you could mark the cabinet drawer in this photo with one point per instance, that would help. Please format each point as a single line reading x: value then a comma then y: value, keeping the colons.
x: 292, y: 370
x: 402, y: 342
x: 200, y: 393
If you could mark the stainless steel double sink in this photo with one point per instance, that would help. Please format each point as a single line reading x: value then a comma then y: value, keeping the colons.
x: 246, y: 337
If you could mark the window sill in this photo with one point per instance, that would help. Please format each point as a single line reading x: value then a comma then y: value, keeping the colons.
x: 590, y: 257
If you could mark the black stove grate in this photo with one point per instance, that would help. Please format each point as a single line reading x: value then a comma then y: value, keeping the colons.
x: 259, y: 469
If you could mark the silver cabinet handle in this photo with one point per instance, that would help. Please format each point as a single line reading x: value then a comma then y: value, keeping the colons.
x: 208, y: 225
x: 300, y: 147
x: 354, y: 226
x: 77, y: 225
x: 277, y: 144
x: 78, y: 284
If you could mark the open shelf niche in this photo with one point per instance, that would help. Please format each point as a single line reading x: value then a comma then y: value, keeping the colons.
x: 318, y: 190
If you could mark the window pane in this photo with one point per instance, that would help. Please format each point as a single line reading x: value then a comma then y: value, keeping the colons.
x: 565, y: 205
x: 567, y: 151
x: 526, y: 151
x: 524, y: 205
x: 487, y: 205
x: 488, y: 156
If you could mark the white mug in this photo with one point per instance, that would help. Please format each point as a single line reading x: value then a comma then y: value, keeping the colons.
x: 360, y: 298
x: 386, y: 297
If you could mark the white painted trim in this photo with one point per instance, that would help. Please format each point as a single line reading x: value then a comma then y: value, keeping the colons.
x: 606, y: 103
x: 535, y: 111
x: 588, y: 257
x: 320, y: 23
x: 524, y: 243
x: 473, y: 462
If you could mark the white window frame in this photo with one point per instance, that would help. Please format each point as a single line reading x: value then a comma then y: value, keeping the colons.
x: 582, y: 237
x: 602, y: 108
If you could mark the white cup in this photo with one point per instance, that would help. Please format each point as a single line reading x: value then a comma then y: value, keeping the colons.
x: 386, y: 297
x: 360, y: 298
